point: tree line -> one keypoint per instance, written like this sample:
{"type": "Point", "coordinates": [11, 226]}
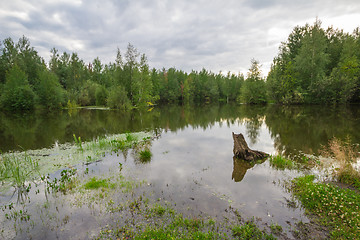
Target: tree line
{"type": "Point", "coordinates": [316, 65]}
{"type": "Point", "coordinates": [26, 81]}
{"type": "Point", "coordinates": [313, 66]}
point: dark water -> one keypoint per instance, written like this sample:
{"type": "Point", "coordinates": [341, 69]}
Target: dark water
{"type": "Point", "coordinates": [192, 163]}
{"type": "Point", "coordinates": [291, 129]}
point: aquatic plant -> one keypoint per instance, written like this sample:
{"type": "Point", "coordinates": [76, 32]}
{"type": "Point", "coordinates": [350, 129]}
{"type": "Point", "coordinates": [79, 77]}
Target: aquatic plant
{"type": "Point", "coordinates": [280, 162]}
{"type": "Point", "coordinates": [78, 143]}
{"type": "Point", "coordinates": [145, 155]}
{"type": "Point", "coordinates": [65, 183]}
{"type": "Point", "coordinates": [16, 170]}
{"type": "Point", "coordinates": [95, 183]}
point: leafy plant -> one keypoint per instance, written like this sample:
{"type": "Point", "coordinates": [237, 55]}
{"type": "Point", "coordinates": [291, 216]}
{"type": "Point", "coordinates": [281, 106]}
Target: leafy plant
{"type": "Point", "coordinates": [65, 183]}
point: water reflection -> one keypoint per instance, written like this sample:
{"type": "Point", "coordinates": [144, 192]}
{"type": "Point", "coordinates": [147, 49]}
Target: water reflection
{"type": "Point", "coordinates": [292, 128]}
{"type": "Point", "coordinates": [240, 168]}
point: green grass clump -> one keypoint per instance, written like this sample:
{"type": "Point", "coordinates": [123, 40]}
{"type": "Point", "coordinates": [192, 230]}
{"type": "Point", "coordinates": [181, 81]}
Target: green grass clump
{"type": "Point", "coordinates": [249, 230]}
{"type": "Point", "coordinates": [17, 169]}
{"type": "Point", "coordinates": [145, 155]}
{"type": "Point", "coordinates": [95, 183]}
{"type": "Point", "coordinates": [280, 162]}
{"type": "Point", "coordinates": [337, 208]}
{"type": "Point", "coordinates": [276, 228]}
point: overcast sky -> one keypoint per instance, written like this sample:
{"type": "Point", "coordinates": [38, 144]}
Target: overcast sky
{"type": "Point", "coordinates": [187, 34]}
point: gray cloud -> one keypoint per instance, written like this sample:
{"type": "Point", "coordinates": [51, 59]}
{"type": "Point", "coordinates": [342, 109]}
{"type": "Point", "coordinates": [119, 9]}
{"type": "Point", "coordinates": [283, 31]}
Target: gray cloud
{"type": "Point", "coordinates": [217, 35]}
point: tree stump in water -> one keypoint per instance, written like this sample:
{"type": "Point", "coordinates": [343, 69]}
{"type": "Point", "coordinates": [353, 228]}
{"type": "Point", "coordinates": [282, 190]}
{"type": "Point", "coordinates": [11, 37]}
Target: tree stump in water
{"type": "Point", "coordinates": [242, 151]}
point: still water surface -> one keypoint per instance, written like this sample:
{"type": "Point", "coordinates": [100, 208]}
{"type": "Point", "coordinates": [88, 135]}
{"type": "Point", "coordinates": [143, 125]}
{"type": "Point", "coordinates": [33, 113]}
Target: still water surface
{"type": "Point", "coordinates": [192, 163]}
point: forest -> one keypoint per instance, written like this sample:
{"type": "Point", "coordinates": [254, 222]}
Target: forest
{"type": "Point", "coordinates": [313, 66]}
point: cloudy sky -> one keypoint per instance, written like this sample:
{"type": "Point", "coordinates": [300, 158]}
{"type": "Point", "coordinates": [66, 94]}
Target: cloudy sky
{"type": "Point", "coordinates": [188, 34]}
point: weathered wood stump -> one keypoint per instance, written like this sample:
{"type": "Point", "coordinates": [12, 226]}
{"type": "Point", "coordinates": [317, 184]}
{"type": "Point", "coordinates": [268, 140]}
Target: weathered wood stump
{"type": "Point", "coordinates": [242, 151]}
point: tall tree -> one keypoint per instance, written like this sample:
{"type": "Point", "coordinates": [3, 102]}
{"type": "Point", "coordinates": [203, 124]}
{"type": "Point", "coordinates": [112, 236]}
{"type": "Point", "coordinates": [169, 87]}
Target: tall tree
{"type": "Point", "coordinates": [312, 60]}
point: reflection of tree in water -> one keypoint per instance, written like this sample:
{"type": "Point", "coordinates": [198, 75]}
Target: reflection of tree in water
{"type": "Point", "coordinates": [254, 118]}
{"type": "Point", "coordinates": [253, 129]}
{"type": "Point", "coordinates": [305, 129]}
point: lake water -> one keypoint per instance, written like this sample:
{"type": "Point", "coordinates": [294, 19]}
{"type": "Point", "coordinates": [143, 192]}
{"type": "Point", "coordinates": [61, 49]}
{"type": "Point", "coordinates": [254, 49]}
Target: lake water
{"type": "Point", "coordinates": [192, 163]}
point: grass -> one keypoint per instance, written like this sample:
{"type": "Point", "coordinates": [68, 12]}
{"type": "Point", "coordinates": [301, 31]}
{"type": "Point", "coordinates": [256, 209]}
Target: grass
{"type": "Point", "coordinates": [145, 155]}
{"type": "Point", "coordinates": [157, 221]}
{"type": "Point", "coordinates": [95, 183]}
{"type": "Point", "coordinates": [20, 167]}
{"type": "Point", "coordinates": [249, 231]}
{"type": "Point", "coordinates": [276, 228]}
{"type": "Point", "coordinates": [336, 208]}
{"type": "Point", "coordinates": [281, 163]}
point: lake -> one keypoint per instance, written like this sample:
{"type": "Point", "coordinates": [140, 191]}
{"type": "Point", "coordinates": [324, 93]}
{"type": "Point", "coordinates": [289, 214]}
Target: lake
{"type": "Point", "coordinates": [192, 161]}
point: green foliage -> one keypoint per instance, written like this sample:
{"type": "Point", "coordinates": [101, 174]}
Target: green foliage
{"type": "Point", "coordinates": [249, 231]}
{"type": "Point", "coordinates": [95, 183]}
{"type": "Point", "coordinates": [17, 94]}
{"type": "Point", "coordinates": [276, 228]}
{"type": "Point", "coordinates": [253, 89]}
{"type": "Point", "coordinates": [280, 162]}
{"type": "Point", "coordinates": [145, 155]}
{"type": "Point", "coordinates": [101, 96]}
{"type": "Point", "coordinates": [78, 143]}
{"type": "Point", "coordinates": [49, 91]}
{"type": "Point", "coordinates": [65, 183]}
{"type": "Point", "coordinates": [17, 169]}
{"type": "Point", "coordinates": [336, 208]}
{"type": "Point", "coordinates": [118, 99]}
{"type": "Point", "coordinates": [316, 66]}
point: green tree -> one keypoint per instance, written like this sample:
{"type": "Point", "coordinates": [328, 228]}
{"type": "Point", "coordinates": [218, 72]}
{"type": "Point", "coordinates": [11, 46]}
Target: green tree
{"type": "Point", "coordinates": [17, 94]}
{"type": "Point", "coordinates": [253, 90]}
{"type": "Point", "coordinates": [130, 68]}
{"type": "Point", "coordinates": [49, 91]}
{"type": "Point", "coordinates": [101, 96]}
{"type": "Point", "coordinates": [311, 62]}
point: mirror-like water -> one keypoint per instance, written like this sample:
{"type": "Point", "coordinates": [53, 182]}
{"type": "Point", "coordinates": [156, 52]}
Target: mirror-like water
{"type": "Point", "coordinates": [192, 163]}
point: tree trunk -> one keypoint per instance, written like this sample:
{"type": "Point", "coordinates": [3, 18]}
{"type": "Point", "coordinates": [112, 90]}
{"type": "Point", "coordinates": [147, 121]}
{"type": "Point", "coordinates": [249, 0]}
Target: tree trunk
{"type": "Point", "coordinates": [242, 151]}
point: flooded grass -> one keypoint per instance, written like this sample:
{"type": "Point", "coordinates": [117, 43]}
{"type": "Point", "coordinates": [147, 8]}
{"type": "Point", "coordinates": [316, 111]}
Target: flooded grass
{"type": "Point", "coordinates": [334, 207]}
{"type": "Point", "coordinates": [280, 162]}
{"type": "Point", "coordinates": [156, 221]}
